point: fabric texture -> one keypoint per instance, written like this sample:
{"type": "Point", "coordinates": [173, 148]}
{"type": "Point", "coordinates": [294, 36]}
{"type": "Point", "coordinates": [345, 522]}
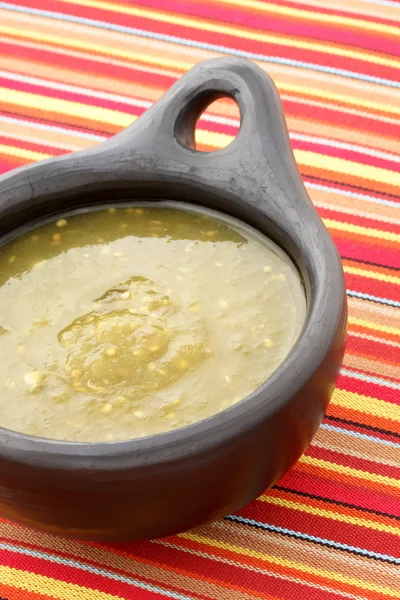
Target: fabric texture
{"type": "Point", "coordinates": [76, 71]}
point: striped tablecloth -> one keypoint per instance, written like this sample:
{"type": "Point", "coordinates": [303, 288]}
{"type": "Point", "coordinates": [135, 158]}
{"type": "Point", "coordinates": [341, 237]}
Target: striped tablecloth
{"type": "Point", "coordinates": [75, 71]}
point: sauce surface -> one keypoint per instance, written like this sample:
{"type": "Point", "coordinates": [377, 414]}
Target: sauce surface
{"type": "Point", "coordinates": [126, 322]}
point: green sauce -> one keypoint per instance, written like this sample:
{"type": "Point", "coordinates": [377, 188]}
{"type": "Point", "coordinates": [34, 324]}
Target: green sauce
{"type": "Point", "coordinates": [122, 323]}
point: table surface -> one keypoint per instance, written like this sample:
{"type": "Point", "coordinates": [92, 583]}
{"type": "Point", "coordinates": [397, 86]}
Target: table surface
{"type": "Point", "coordinates": [74, 72]}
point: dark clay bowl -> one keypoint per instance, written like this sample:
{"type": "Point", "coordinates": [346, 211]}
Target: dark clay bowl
{"type": "Point", "coordinates": [163, 484]}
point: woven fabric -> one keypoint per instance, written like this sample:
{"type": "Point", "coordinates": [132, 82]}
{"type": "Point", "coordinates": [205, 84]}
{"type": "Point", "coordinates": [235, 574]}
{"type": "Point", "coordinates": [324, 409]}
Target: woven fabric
{"type": "Point", "coordinates": [76, 71]}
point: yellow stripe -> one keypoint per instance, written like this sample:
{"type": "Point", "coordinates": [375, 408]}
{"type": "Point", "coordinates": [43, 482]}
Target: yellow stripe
{"type": "Point", "coordinates": [332, 204]}
{"type": "Point", "coordinates": [121, 119]}
{"type": "Point", "coordinates": [211, 138]}
{"type": "Point", "coordinates": [250, 34]}
{"type": "Point", "coordinates": [28, 155]}
{"type": "Point", "coordinates": [60, 590]}
{"type": "Point", "coordinates": [332, 163]}
{"type": "Point", "coordinates": [302, 90]}
{"type": "Point", "coordinates": [350, 471]}
{"type": "Point", "coordinates": [329, 163]}
{"type": "Point", "coordinates": [374, 326]}
{"type": "Point", "coordinates": [359, 230]}
{"type": "Point", "coordinates": [94, 113]}
{"type": "Point", "coordinates": [102, 49]}
{"type": "Point", "coordinates": [366, 404]}
{"type": "Point", "coordinates": [184, 66]}
{"type": "Point", "coordinates": [371, 274]}
{"type": "Point", "coordinates": [291, 564]}
{"type": "Point", "coordinates": [329, 514]}
{"type": "Point", "coordinates": [314, 16]}
{"type": "Point", "coordinates": [68, 107]}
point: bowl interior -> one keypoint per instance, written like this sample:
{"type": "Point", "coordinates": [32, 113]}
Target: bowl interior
{"type": "Point", "coordinates": [253, 222]}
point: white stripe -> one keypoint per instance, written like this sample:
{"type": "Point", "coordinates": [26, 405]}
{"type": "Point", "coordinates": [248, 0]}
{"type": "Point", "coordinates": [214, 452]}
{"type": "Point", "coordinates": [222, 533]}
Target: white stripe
{"type": "Point", "coordinates": [88, 568]}
{"type": "Point", "coordinates": [227, 121]}
{"type": "Point", "coordinates": [12, 138]}
{"type": "Point", "coordinates": [263, 571]}
{"type": "Point", "coordinates": [74, 89]}
{"type": "Point", "coordinates": [370, 379]}
{"type": "Point", "coordinates": [100, 59]}
{"type": "Point", "coordinates": [362, 436]}
{"type": "Point", "coordinates": [372, 338]}
{"type": "Point", "coordinates": [340, 192]}
{"type": "Point", "coordinates": [374, 298]}
{"type": "Point", "coordinates": [313, 538]}
{"type": "Point", "coordinates": [345, 146]}
{"type": "Point", "coordinates": [206, 117]}
{"type": "Point", "coordinates": [357, 213]}
{"type": "Point", "coordinates": [382, 3]}
{"type": "Point", "coordinates": [44, 127]}
{"type": "Point", "coordinates": [363, 12]}
{"type": "Point", "coordinates": [203, 45]}
{"type": "Point", "coordinates": [343, 109]}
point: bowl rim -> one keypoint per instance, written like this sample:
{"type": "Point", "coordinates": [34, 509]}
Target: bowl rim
{"type": "Point", "coordinates": [217, 430]}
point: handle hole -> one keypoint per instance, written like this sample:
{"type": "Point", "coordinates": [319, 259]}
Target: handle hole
{"type": "Point", "coordinates": [208, 123]}
{"type": "Point", "coordinates": [217, 126]}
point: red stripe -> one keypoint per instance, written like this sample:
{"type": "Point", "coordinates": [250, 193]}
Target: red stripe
{"type": "Point", "coordinates": [337, 12]}
{"type": "Point", "coordinates": [337, 215]}
{"type": "Point", "coordinates": [373, 287]}
{"type": "Point", "coordinates": [380, 435]}
{"type": "Point", "coordinates": [367, 388]}
{"type": "Point", "coordinates": [371, 267]}
{"type": "Point", "coordinates": [362, 418]}
{"type": "Point", "coordinates": [126, 72]}
{"type": "Point", "coordinates": [73, 128]}
{"type": "Point", "coordinates": [33, 146]}
{"type": "Point", "coordinates": [368, 252]}
{"type": "Point", "coordinates": [359, 464]}
{"type": "Point", "coordinates": [331, 529]}
{"type": "Point", "coordinates": [287, 571]}
{"type": "Point", "coordinates": [351, 155]}
{"type": "Point", "coordinates": [71, 555]}
{"type": "Point", "coordinates": [244, 16]}
{"type": "Point", "coordinates": [76, 576]}
{"type": "Point", "coordinates": [330, 115]}
{"type": "Point", "coordinates": [391, 377]}
{"type": "Point", "coordinates": [252, 582]}
{"type": "Point", "coordinates": [159, 81]}
{"type": "Point", "coordinates": [327, 472]}
{"type": "Point", "coordinates": [364, 238]}
{"type": "Point", "coordinates": [292, 26]}
{"type": "Point", "coordinates": [119, 105]}
{"type": "Point", "coordinates": [335, 185]}
{"type": "Point", "coordinates": [374, 349]}
{"type": "Point", "coordinates": [72, 96]}
{"type": "Point", "coordinates": [8, 164]}
{"type": "Point", "coordinates": [240, 43]}
{"type": "Point", "coordinates": [341, 492]}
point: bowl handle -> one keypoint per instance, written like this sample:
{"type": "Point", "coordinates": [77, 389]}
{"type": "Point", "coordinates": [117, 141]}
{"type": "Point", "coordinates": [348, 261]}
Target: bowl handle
{"type": "Point", "coordinates": [155, 157]}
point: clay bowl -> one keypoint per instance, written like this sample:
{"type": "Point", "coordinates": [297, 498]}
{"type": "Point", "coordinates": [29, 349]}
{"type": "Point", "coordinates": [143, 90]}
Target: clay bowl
{"type": "Point", "coordinates": [163, 484]}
